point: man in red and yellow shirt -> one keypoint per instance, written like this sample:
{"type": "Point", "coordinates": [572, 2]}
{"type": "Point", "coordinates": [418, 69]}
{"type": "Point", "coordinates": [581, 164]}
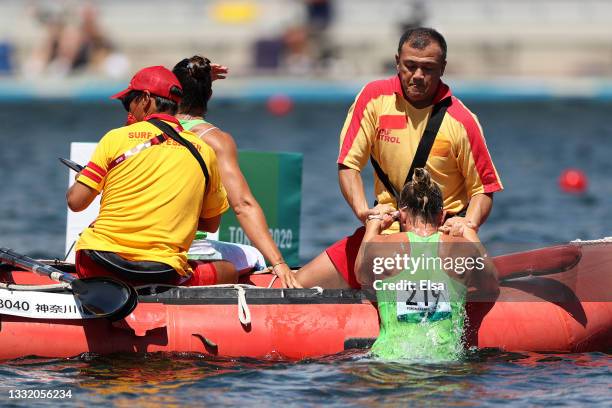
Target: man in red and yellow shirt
{"type": "Point", "coordinates": [386, 123]}
{"type": "Point", "coordinates": [153, 194]}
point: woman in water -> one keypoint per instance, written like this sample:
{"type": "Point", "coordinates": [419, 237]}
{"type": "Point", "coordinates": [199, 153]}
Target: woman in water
{"type": "Point", "coordinates": [196, 78]}
{"type": "Point", "coordinates": [421, 276]}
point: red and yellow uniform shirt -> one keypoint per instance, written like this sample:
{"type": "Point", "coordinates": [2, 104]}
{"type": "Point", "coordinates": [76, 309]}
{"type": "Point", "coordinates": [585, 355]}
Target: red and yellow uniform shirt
{"type": "Point", "coordinates": [383, 124]}
{"type": "Point", "coordinates": [151, 202]}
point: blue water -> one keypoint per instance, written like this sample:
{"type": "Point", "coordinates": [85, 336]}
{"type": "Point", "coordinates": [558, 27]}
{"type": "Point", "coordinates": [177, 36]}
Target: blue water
{"type": "Point", "coordinates": [531, 143]}
{"type": "Point", "coordinates": [352, 379]}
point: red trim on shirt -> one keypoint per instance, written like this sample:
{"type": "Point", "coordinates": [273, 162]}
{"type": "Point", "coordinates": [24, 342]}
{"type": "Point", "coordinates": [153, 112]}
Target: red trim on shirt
{"type": "Point", "coordinates": [397, 85]}
{"type": "Point", "coordinates": [480, 153]}
{"type": "Point", "coordinates": [443, 92]}
{"type": "Point", "coordinates": [96, 168]}
{"type": "Point", "coordinates": [371, 91]}
{"type": "Point", "coordinates": [167, 118]}
{"type": "Point", "coordinates": [91, 175]}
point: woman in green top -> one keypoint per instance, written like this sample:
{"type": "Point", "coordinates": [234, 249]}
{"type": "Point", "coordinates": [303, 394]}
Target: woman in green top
{"type": "Point", "coordinates": [196, 75]}
{"type": "Point", "coordinates": [421, 276]}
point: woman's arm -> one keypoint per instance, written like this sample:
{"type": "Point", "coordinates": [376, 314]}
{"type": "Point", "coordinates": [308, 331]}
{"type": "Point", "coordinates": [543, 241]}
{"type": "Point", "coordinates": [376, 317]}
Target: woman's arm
{"type": "Point", "coordinates": [362, 272]}
{"type": "Point", "coordinates": [378, 221]}
{"type": "Point", "coordinates": [247, 209]}
{"type": "Point", "coordinates": [484, 275]}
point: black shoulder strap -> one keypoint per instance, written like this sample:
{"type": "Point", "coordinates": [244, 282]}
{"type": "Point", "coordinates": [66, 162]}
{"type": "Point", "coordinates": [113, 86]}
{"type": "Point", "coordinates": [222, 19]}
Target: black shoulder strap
{"type": "Point", "coordinates": [429, 136]}
{"type": "Point", "coordinates": [174, 135]}
{"type": "Point", "coordinates": [382, 176]}
{"type": "Point", "coordinates": [422, 152]}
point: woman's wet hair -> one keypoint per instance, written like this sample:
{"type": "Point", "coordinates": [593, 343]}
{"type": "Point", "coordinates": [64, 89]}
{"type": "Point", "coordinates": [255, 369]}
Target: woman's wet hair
{"type": "Point", "coordinates": [194, 75]}
{"type": "Point", "coordinates": [422, 198]}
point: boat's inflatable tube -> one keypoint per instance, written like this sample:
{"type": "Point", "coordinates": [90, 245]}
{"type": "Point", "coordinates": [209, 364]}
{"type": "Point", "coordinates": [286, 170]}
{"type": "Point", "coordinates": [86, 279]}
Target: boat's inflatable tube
{"type": "Point", "coordinates": [543, 261]}
{"type": "Point", "coordinates": [569, 311]}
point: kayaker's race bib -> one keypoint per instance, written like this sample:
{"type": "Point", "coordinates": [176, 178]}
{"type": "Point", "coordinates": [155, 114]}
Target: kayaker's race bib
{"type": "Point", "coordinates": [422, 305]}
{"type": "Point", "coordinates": [42, 305]}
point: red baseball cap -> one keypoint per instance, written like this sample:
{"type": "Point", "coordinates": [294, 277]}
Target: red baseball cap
{"type": "Point", "coordinates": [158, 80]}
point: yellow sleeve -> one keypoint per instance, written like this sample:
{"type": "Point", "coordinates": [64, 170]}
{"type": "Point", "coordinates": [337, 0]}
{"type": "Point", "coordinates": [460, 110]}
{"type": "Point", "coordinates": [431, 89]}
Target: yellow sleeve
{"type": "Point", "coordinates": [94, 174]}
{"type": "Point", "coordinates": [215, 197]}
{"type": "Point", "coordinates": [358, 132]}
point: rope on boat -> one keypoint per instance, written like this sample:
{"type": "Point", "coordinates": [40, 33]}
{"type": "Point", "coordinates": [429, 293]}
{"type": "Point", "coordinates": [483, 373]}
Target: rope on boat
{"type": "Point", "coordinates": [244, 314]}
{"type": "Point", "coordinates": [603, 240]}
{"type": "Point", "coordinates": [42, 288]}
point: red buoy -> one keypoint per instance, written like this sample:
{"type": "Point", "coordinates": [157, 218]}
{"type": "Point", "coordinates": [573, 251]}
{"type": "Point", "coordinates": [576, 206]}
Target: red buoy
{"type": "Point", "coordinates": [573, 181]}
{"type": "Point", "coordinates": [279, 105]}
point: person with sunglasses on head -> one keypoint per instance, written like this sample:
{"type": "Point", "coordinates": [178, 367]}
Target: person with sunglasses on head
{"type": "Point", "coordinates": [196, 75]}
{"type": "Point", "coordinates": [159, 184]}
{"type": "Point", "coordinates": [421, 301]}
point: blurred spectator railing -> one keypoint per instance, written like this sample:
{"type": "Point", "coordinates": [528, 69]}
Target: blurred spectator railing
{"type": "Point", "coordinates": [486, 37]}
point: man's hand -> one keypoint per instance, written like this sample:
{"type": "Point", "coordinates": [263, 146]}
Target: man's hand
{"type": "Point", "coordinates": [363, 215]}
{"type": "Point", "coordinates": [387, 213]}
{"type": "Point", "coordinates": [455, 226]}
{"type": "Point", "coordinates": [477, 212]}
{"type": "Point", "coordinates": [218, 72]}
{"type": "Point", "coordinates": [286, 276]}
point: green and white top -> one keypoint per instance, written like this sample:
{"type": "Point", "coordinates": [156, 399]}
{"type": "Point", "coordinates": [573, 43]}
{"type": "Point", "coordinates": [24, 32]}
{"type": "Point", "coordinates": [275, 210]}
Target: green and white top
{"type": "Point", "coordinates": [191, 123]}
{"type": "Point", "coordinates": [426, 321]}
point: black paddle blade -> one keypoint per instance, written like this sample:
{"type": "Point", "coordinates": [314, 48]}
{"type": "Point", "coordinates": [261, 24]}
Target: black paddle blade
{"type": "Point", "coordinates": [105, 297]}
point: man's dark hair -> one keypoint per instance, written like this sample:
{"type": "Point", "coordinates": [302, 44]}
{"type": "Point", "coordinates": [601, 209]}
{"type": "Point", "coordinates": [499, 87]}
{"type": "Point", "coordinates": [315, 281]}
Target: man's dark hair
{"type": "Point", "coordinates": [164, 105]}
{"type": "Point", "coordinates": [421, 37]}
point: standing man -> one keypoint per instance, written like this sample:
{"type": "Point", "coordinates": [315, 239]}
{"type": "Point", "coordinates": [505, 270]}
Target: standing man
{"type": "Point", "coordinates": [385, 125]}
{"type": "Point", "coordinates": [159, 183]}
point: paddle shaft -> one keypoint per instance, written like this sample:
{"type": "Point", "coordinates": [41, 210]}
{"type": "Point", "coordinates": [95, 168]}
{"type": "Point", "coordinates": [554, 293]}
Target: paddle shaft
{"type": "Point", "coordinates": [102, 296]}
{"type": "Point", "coordinates": [72, 165]}
{"type": "Point", "coordinates": [22, 261]}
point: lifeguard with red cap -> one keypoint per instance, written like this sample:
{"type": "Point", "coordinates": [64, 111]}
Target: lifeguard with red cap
{"type": "Point", "coordinates": [157, 80]}
{"type": "Point", "coordinates": [159, 184]}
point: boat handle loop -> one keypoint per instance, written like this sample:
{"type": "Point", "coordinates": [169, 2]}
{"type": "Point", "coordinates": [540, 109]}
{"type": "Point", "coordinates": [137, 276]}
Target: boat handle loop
{"type": "Point", "coordinates": [244, 313]}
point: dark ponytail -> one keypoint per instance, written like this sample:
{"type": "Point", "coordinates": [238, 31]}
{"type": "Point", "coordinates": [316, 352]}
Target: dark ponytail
{"type": "Point", "coordinates": [422, 197]}
{"type": "Point", "coordinates": [194, 75]}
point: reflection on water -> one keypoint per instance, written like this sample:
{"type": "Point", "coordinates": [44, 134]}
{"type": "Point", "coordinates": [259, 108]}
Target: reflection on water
{"type": "Point", "coordinates": [352, 378]}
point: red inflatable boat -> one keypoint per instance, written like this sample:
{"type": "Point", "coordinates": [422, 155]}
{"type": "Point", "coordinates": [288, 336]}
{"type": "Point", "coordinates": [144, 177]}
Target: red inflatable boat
{"type": "Point", "coordinates": [565, 308]}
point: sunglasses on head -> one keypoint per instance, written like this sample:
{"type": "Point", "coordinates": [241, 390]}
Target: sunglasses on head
{"type": "Point", "coordinates": [127, 100]}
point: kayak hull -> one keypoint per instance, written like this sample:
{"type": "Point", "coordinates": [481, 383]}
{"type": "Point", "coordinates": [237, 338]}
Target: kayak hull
{"type": "Point", "coordinates": [564, 312]}
{"type": "Point", "coordinates": [283, 331]}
